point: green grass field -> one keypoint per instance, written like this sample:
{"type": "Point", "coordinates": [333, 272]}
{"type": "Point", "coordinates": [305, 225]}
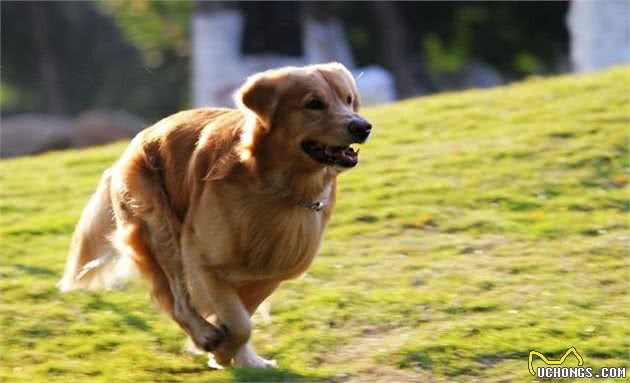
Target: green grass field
{"type": "Point", "coordinates": [478, 226]}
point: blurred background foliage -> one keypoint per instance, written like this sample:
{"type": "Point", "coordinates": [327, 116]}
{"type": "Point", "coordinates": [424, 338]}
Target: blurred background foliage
{"type": "Point", "coordinates": [64, 57]}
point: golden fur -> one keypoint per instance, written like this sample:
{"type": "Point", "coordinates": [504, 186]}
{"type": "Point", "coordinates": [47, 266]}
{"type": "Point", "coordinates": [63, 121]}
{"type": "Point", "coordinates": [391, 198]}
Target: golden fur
{"type": "Point", "coordinates": [208, 205]}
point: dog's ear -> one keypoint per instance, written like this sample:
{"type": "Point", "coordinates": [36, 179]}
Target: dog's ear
{"type": "Point", "coordinates": [259, 95]}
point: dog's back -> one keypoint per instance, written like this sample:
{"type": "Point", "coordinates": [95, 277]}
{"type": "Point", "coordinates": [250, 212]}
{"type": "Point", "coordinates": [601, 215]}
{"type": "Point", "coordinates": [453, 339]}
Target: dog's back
{"type": "Point", "coordinates": [166, 148]}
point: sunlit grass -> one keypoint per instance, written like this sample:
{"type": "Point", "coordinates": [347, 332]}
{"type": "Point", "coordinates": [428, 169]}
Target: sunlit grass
{"type": "Point", "coordinates": [479, 226]}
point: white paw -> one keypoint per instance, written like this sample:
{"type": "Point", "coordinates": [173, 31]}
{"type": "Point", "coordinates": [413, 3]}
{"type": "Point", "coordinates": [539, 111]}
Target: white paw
{"type": "Point", "coordinates": [246, 357]}
{"type": "Point", "coordinates": [213, 364]}
{"type": "Point", "coordinates": [256, 362]}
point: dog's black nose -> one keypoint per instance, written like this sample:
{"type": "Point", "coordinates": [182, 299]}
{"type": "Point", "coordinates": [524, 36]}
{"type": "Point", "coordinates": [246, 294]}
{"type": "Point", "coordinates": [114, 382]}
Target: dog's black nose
{"type": "Point", "coordinates": [359, 128]}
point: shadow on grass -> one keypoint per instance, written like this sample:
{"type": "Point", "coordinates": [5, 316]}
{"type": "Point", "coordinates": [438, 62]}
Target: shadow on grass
{"type": "Point", "coordinates": [180, 370]}
{"type": "Point", "coordinates": [273, 375]}
{"type": "Point", "coordinates": [34, 270]}
{"type": "Point", "coordinates": [97, 303]}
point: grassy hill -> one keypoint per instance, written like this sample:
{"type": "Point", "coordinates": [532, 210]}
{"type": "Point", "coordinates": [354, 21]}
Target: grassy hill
{"type": "Point", "coordinates": [479, 226]}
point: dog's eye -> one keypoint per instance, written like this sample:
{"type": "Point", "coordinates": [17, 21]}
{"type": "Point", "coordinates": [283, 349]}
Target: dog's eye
{"type": "Point", "coordinates": [315, 104]}
{"type": "Point", "coordinates": [349, 99]}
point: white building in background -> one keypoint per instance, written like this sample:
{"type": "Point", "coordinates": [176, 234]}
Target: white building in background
{"type": "Point", "coordinates": [219, 67]}
{"type": "Point", "coordinates": [599, 33]}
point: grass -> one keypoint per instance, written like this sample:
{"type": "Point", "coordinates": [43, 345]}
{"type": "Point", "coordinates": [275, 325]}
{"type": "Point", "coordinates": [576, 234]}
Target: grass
{"type": "Point", "coordinates": [479, 226]}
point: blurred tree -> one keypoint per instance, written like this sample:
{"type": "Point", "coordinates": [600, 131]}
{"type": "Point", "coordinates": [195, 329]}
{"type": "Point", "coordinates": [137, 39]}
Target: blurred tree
{"type": "Point", "coordinates": [516, 38]}
{"type": "Point", "coordinates": [394, 46]}
{"type": "Point", "coordinates": [156, 28]}
{"type": "Point", "coordinates": [82, 61]}
{"type": "Point", "coordinates": [71, 56]}
{"type": "Point", "coordinates": [283, 36]}
{"type": "Point", "coordinates": [52, 94]}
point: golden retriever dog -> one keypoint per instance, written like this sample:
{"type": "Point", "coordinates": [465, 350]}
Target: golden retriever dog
{"type": "Point", "coordinates": [216, 207]}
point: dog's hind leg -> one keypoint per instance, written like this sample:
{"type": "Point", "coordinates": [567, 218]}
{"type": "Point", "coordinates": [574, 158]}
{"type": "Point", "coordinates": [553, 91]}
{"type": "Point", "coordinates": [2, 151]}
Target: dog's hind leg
{"type": "Point", "coordinates": [150, 231]}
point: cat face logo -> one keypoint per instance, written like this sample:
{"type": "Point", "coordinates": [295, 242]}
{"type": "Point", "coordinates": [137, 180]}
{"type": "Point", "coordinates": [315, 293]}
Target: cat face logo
{"type": "Point", "coordinates": [552, 362]}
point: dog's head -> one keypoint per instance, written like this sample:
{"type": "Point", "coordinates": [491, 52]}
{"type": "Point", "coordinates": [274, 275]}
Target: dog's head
{"type": "Point", "coordinates": [308, 113]}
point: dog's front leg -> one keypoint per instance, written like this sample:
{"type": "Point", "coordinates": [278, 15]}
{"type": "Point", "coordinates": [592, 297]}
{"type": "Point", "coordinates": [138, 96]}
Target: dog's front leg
{"type": "Point", "coordinates": [252, 295]}
{"type": "Point", "coordinates": [149, 230]}
{"type": "Point", "coordinates": [213, 295]}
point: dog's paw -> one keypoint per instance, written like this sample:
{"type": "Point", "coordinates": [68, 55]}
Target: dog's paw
{"type": "Point", "coordinates": [251, 360]}
{"type": "Point", "coordinates": [211, 339]}
{"type": "Point", "coordinates": [191, 348]}
{"type": "Point", "coordinates": [257, 362]}
{"type": "Point", "coordinates": [213, 364]}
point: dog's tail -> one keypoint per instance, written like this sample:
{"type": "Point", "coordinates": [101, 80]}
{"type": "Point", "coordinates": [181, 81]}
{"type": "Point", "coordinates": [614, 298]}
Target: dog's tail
{"type": "Point", "coordinates": [93, 262]}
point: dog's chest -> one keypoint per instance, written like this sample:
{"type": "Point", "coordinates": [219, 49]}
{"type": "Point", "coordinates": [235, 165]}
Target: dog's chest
{"type": "Point", "coordinates": [258, 240]}
{"type": "Point", "coordinates": [280, 241]}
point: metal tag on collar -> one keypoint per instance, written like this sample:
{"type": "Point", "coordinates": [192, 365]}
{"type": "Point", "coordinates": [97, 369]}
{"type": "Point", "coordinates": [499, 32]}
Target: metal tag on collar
{"type": "Point", "coordinates": [317, 206]}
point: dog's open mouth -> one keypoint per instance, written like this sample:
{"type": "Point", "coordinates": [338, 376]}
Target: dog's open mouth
{"type": "Point", "coordinates": [343, 156]}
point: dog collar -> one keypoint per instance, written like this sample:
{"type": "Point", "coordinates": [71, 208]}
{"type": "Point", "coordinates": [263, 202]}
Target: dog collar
{"type": "Point", "coordinates": [315, 206]}
{"type": "Point", "coordinates": [318, 205]}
